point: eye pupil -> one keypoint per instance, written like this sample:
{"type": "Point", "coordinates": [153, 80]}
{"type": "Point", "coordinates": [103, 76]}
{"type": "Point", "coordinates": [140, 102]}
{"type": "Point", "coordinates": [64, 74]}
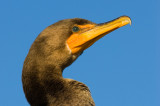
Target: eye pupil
{"type": "Point", "coordinates": [75, 29]}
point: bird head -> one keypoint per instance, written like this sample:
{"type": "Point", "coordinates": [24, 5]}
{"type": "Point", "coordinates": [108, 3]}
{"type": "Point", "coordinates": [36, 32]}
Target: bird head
{"type": "Point", "coordinates": [64, 41]}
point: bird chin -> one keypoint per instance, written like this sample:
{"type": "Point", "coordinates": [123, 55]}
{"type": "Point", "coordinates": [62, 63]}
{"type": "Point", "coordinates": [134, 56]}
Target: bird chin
{"type": "Point", "coordinates": [75, 56]}
{"type": "Point", "coordinates": [80, 53]}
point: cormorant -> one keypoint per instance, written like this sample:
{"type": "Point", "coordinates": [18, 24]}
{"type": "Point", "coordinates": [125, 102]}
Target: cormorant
{"type": "Point", "coordinates": [55, 48]}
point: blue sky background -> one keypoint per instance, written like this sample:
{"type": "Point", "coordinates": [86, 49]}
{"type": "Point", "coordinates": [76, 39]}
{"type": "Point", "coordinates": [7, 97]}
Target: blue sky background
{"type": "Point", "coordinates": [121, 69]}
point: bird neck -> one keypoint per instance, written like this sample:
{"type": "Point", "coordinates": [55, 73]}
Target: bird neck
{"type": "Point", "coordinates": [39, 81]}
{"type": "Point", "coordinates": [52, 71]}
{"type": "Point", "coordinates": [52, 79]}
{"type": "Point", "coordinates": [50, 74]}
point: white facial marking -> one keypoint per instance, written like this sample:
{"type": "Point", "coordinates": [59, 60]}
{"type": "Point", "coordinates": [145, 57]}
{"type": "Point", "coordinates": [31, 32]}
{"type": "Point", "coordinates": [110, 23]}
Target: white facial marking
{"type": "Point", "coordinates": [68, 49]}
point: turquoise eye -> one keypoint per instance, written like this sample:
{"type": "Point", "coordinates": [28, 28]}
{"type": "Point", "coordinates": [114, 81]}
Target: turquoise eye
{"type": "Point", "coordinates": [75, 29]}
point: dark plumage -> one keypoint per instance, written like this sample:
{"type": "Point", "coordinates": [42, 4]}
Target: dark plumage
{"type": "Point", "coordinates": [54, 49]}
{"type": "Point", "coordinates": [42, 79]}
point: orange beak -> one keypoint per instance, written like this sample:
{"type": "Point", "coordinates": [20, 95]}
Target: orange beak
{"type": "Point", "coordinates": [90, 33]}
